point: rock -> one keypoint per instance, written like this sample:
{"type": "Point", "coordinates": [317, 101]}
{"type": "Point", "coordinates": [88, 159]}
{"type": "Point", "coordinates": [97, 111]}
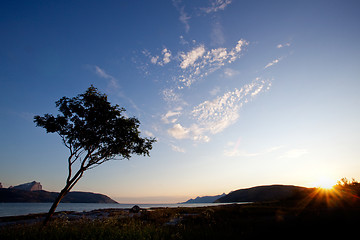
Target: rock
{"type": "Point", "coordinates": [31, 186]}
{"type": "Point", "coordinates": [135, 209]}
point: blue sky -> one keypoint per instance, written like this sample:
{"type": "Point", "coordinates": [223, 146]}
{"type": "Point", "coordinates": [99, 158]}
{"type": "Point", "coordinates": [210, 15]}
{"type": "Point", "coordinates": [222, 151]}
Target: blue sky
{"type": "Point", "coordinates": [237, 93]}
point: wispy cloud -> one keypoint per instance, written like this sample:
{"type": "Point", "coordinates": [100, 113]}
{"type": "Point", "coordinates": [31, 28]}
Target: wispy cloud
{"type": "Point", "coordinates": [182, 40]}
{"type": "Point", "coordinates": [177, 148]}
{"type": "Point", "coordinates": [213, 116]}
{"type": "Point", "coordinates": [234, 150]}
{"type": "Point", "coordinates": [171, 96]}
{"type": "Point", "coordinates": [283, 45]}
{"type": "Point", "coordinates": [113, 83]}
{"type": "Point", "coordinates": [114, 86]}
{"type": "Point", "coordinates": [216, 115]}
{"type": "Point", "coordinates": [214, 91]}
{"type": "Point", "coordinates": [216, 5]}
{"type": "Point", "coordinates": [230, 72]}
{"type": "Point", "coordinates": [199, 62]}
{"type": "Point", "coordinates": [171, 116]}
{"type": "Point", "coordinates": [272, 63]}
{"type": "Point", "coordinates": [294, 153]}
{"type": "Point", "coordinates": [148, 133]}
{"type": "Point", "coordinates": [217, 34]}
{"type": "Point", "coordinates": [184, 18]}
{"type": "Point", "coordinates": [239, 153]}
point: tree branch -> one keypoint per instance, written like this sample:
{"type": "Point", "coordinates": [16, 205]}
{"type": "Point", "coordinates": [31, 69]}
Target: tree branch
{"type": "Point", "coordinates": [76, 180]}
{"type": "Point", "coordinates": [70, 163]}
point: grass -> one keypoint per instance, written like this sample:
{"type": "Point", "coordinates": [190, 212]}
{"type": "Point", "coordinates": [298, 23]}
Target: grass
{"type": "Point", "coordinates": [280, 220]}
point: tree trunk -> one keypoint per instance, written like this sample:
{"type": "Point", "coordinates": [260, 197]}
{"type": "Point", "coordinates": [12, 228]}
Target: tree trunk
{"type": "Point", "coordinates": [69, 185]}
{"type": "Point", "coordinates": [56, 203]}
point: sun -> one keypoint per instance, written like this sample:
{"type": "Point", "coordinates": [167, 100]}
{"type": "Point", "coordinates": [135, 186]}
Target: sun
{"type": "Point", "coordinates": [325, 183]}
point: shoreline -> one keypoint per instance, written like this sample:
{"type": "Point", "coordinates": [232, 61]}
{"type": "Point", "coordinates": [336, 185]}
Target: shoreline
{"type": "Point", "coordinates": [250, 221]}
{"type": "Point", "coordinates": [18, 209]}
{"type": "Point", "coordinates": [100, 213]}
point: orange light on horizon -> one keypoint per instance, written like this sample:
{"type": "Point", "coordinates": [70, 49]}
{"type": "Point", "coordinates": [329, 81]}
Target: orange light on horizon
{"type": "Point", "coordinates": [325, 183]}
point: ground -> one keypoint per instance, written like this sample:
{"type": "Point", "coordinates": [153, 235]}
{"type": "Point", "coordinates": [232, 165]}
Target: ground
{"type": "Point", "coordinates": [280, 220]}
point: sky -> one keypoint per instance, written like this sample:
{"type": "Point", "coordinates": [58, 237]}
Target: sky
{"type": "Point", "coordinates": [237, 93]}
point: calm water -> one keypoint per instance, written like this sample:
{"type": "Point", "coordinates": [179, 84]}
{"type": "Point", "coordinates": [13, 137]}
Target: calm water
{"type": "Point", "coordinates": [15, 209]}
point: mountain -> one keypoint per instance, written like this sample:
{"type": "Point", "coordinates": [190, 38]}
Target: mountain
{"type": "Point", "coordinates": [31, 186]}
{"type": "Point", "coordinates": [264, 193]}
{"type": "Point", "coordinates": [205, 199]}
{"type": "Point", "coordinates": [16, 195]}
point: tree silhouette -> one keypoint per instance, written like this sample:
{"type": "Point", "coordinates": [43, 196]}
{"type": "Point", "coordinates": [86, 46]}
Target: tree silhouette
{"type": "Point", "coordinates": [95, 132]}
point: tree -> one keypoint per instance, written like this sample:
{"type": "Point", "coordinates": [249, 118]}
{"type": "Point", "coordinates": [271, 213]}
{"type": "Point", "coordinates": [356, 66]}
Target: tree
{"type": "Point", "coordinates": [94, 132]}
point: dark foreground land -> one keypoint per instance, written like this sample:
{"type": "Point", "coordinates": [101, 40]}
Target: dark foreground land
{"type": "Point", "coordinates": [276, 220]}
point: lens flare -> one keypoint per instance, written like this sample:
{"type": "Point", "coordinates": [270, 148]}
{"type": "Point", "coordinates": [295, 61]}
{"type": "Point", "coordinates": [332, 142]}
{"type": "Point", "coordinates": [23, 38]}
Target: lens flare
{"type": "Point", "coordinates": [325, 183]}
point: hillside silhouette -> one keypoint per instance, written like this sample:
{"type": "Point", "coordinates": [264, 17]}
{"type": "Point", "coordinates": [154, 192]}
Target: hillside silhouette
{"type": "Point", "coordinates": [263, 193]}
{"type": "Point", "coordinates": [15, 195]}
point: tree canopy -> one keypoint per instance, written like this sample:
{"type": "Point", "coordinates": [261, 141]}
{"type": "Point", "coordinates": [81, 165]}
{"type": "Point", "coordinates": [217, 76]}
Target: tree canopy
{"type": "Point", "coordinates": [94, 131]}
{"type": "Point", "coordinates": [89, 123]}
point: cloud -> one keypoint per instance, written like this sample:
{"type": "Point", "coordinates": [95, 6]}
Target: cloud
{"type": "Point", "coordinates": [230, 72]}
{"type": "Point", "coordinates": [236, 152]}
{"type": "Point", "coordinates": [101, 73]}
{"type": "Point", "coordinates": [283, 45]}
{"type": "Point", "coordinates": [154, 59]}
{"type": "Point", "coordinates": [214, 91]}
{"type": "Point", "coordinates": [113, 86]}
{"type": "Point", "coordinates": [217, 34]}
{"type": "Point", "coordinates": [171, 96]}
{"type": "Point", "coordinates": [213, 116]}
{"type": "Point", "coordinates": [182, 40]}
{"type": "Point", "coordinates": [294, 153]}
{"type": "Point", "coordinates": [148, 133]}
{"type": "Point", "coordinates": [177, 148]}
{"type": "Point", "coordinates": [272, 63]}
{"type": "Point", "coordinates": [113, 83]}
{"type": "Point", "coordinates": [239, 153]}
{"type": "Point", "coordinates": [216, 115]}
{"type": "Point", "coordinates": [190, 58]}
{"type": "Point", "coordinates": [216, 5]}
{"type": "Point", "coordinates": [199, 62]}
{"type": "Point", "coordinates": [166, 57]}
{"type": "Point", "coordinates": [170, 116]}
{"type": "Point", "coordinates": [184, 18]}
{"type": "Point", "coordinates": [178, 132]}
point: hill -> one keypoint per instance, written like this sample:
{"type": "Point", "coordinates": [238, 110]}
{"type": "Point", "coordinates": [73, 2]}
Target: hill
{"type": "Point", "coordinates": [31, 186]}
{"type": "Point", "coordinates": [204, 199]}
{"type": "Point", "coordinates": [16, 195]}
{"type": "Point", "coordinates": [263, 193]}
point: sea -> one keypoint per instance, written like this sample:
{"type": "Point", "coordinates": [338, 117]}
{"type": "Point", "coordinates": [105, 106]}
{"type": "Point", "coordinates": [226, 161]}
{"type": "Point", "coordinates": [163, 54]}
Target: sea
{"type": "Point", "coordinates": [17, 209]}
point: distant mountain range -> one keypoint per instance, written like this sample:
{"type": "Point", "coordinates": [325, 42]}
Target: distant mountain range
{"type": "Point", "coordinates": [264, 193]}
{"type": "Point", "coordinates": [26, 193]}
{"type": "Point", "coordinates": [255, 194]}
{"type": "Point", "coordinates": [205, 199]}
{"type": "Point", "coordinates": [14, 195]}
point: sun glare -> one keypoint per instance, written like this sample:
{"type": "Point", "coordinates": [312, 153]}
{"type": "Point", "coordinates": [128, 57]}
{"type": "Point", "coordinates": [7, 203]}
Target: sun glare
{"type": "Point", "coordinates": [325, 183]}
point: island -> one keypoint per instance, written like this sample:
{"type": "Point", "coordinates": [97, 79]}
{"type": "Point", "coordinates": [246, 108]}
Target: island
{"type": "Point", "coordinates": [33, 192]}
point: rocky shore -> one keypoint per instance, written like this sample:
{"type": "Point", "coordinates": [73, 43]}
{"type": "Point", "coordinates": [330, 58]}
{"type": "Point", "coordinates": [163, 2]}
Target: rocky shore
{"type": "Point", "coordinates": [282, 220]}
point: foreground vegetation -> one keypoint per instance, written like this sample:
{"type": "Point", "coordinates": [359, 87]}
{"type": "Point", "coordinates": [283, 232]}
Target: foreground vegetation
{"type": "Point", "coordinates": [321, 214]}
{"type": "Point", "coordinates": [223, 222]}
